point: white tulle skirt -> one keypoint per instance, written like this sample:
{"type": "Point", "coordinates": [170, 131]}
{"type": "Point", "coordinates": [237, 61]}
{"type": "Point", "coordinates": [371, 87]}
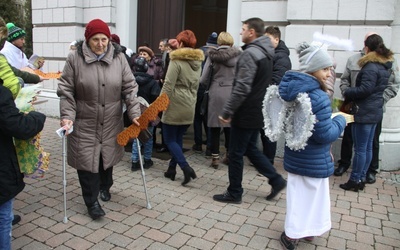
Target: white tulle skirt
{"type": "Point", "coordinates": [308, 206]}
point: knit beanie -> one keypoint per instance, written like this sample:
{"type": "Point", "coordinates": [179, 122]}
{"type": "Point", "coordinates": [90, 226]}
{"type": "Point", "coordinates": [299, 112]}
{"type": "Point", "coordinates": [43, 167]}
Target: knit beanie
{"type": "Point", "coordinates": [14, 32]}
{"type": "Point", "coordinates": [312, 58]}
{"type": "Point", "coordinates": [146, 49]}
{"type": "Point", "coordinates": [173, 43]}
{"type": "Point", "coordinates": [115, 38]}
{"type": "Point", "coordinates": [212, 39]}
{"type": "Point", "coordinates": [96, 26]}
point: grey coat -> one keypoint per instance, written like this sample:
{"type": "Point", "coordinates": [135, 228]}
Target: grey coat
{"type": "Point", "coordinates": [224, 60]}
{"type": "Point", "coordinates": [91, 93]}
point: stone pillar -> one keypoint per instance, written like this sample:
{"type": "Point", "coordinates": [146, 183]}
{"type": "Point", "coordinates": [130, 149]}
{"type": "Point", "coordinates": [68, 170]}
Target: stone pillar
{"type": "Point", "coordinates": [234, 22]}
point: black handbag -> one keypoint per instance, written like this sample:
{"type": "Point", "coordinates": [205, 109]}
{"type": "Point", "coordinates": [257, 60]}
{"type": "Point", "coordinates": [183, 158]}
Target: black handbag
{"type": "Point", "coordinates": [204, 100]}
{"type": "Point", "coordinates": [349, 107]}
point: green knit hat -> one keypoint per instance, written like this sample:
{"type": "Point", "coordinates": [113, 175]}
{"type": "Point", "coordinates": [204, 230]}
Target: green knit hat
{"type": "Point", "coordinates": [14, 32]}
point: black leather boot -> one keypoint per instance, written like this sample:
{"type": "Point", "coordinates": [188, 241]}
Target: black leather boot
{"type": "Point", "coordinates": [95, 210]}
{"type": "Point", "coordinates": [171, 172]}
{"type": "Point", "coordinates": [361, 185]}
{"type": "Point", "coordinates": [188, 172]}
{"type": "Point", "coordinates": [350, 185]}
{"type": "Point", "coordinates": [340, 170]}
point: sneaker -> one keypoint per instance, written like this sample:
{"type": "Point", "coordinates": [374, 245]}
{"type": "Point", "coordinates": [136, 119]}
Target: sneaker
{"type": "Point", "coordinates": [135, 166]}
{"type": "Point", "coordinates": [208, 152]}
{"type": "Point", "coordinates": [276, 189]}
{"type": "Point", "coordinates": [197, 148]}
{"type": "Point", "coordinates": [148, 163]}
{"type": "Point", "coordinates": [288, 243]}
{"type": "Point", "coordinates": [227, 198]}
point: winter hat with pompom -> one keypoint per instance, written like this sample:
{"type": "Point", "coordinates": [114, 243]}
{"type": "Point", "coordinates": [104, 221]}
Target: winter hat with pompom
{"type": "Point", "coordinates": [312, 58]}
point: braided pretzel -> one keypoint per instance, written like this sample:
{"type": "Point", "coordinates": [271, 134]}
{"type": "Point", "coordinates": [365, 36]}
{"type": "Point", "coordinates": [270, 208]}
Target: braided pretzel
{"type": "Point", "coordinates": [150, 114]}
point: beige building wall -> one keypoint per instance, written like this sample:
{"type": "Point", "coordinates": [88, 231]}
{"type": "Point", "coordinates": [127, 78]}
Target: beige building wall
{"type": "Point", "coordinates": [58, 23]}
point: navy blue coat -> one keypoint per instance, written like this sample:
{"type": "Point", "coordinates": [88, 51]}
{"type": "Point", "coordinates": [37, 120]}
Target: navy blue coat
{"type": "Point", "coordinates": [13, 124]}
{"type": "Point", "coordinates": [315, 160]}
{"type": "Point", "coordinates": [371, 82]}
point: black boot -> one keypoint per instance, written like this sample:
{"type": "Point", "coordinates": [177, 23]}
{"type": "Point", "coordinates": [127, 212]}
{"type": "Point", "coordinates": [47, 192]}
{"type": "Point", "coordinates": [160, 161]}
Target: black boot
{"type": "Point", "coordinates": [95, 210]}
{"type": "Point", "coordinates": [361, 185]}
{"type": "Point", "coordinates": [340, 170]}
{"type": "Point", "coordinates": [171, 172]}
{"type": "Point", "coordinates": [350, 185]}
{"type": "Point", "coordinates": [188, 172]}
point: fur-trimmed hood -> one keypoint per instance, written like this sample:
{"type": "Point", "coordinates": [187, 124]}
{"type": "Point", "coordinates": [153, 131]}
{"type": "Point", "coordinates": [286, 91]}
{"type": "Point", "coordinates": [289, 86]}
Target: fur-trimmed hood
{"type": "Point", "coordinates": [224, 54]}
{"type": "Point", "coordinates": [79, 48]}
{"type": "Point", "coordinates": [188, 54]}
{"type": "Point", "coordinates": [375, 58]}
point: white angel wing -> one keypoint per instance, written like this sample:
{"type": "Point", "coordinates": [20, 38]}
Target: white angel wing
{"type": "Point", "coordinates": [274, 111]}
{"type": "Point", "coordinates": [299, 123]}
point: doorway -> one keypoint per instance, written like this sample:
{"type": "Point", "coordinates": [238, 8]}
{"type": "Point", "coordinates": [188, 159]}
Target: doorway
{"type": "Point", "coordinates": [159, 19]}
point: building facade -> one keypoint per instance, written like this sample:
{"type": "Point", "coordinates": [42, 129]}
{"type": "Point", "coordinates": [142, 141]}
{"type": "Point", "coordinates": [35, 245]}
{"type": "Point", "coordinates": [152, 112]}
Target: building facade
{"type": "Point", "coordinates": [58, 23]}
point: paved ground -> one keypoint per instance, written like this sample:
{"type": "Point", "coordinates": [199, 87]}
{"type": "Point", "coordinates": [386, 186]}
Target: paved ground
{"type": "Point", "coordinates": [187, 217]}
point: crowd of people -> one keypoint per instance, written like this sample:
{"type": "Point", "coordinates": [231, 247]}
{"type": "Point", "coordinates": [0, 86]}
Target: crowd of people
{"type": "Point", "coordinates": [102, 83]}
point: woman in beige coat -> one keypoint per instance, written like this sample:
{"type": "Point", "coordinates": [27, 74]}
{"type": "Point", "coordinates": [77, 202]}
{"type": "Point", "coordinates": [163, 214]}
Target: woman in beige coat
{"type": "Point", "coordinates": [181, 84]}
{"type": "Point", "coordinates": [95, 81]}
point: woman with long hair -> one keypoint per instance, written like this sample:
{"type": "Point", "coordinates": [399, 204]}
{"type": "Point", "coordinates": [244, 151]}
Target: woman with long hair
{"type": "Point", "coordinates": [367, 97]}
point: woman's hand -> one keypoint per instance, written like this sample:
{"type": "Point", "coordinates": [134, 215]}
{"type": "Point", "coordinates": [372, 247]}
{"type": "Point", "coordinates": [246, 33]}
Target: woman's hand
{"type": "Point", "coordinates": [66, 124]}
{"type": "Point", "coordinates": [224, 121]}
{"type": "Point", "coordinates": [135, 121]}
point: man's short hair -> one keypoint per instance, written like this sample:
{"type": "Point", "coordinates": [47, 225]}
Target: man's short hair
{"type": "Point", "coordinates": [257, 24]}
{"type": "Point", "coordinates": [273, 31]}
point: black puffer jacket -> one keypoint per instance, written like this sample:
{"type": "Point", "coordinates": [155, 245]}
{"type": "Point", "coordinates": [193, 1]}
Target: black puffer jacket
{"type": "Point", "coordinates": [253, 74]}
{"type": "Point", "coordinates": [281, 62]}
{"type": "Point", "coordinates": [371, 81]}
{"type": "Point", "coordinates": [13, 124]}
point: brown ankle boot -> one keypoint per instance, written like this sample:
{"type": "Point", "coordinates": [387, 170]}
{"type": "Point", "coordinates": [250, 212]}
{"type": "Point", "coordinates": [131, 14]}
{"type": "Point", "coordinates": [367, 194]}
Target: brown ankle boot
{"type": "Point", "coordinates": [215, 161]}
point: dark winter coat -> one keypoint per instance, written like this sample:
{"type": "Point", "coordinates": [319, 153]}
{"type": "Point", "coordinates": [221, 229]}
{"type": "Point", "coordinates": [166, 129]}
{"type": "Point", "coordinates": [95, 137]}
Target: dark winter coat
{"type": "Point", "coordinates": [18, 125]}
{"type": "Point", "coordinates": [315, 160]}
{"type": "Point", "coordinates": [149, 88]}
{"type": "Point", "coordinates": [371, 82]}
{"type": "Point", "coordinates": [253, 75]}
{"type": "Point", "coordinates": [281, 62]}
{"type": "Point", "coordinates": [155, 67]}
{"type": "Point", "coordinates": [224, 59]}
{"type": "Point", "coordinates": [91, 94]}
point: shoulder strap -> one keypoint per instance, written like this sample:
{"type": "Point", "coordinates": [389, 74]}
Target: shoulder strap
{"type": "Point", "coordinates": [210, 74]}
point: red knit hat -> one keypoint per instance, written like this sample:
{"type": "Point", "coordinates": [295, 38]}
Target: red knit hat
{"type": "Point", "coordinates": [96, 26]}
{"type": "Point", "coordinates": [115, 38]}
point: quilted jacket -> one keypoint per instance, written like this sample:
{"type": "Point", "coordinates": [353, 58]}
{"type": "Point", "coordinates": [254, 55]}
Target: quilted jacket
{"type": "Point", "coordinates": [315, 160]}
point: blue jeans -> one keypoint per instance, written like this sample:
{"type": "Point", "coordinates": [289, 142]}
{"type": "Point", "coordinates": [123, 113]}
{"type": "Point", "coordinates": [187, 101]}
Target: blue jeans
{"type": "Point", "coordinates": [147, 148]}
{"type": "Point", "coordinates": [363, 135]}
{"type": "Point", "coordinates": [6, 217]}
{"type": "Point", "coordinates": [173, 137]}
{"type": "Point", "coordinates": [244, 142]}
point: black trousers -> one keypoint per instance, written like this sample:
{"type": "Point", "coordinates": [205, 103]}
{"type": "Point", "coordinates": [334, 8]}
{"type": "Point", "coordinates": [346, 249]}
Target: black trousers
{"type": "Point", "coordinates": [92, 183]}
{"type": "Point", "coordinates": [269, 147]}
{"type": "Point", "coordinates": [215, 137]}
{"type": "Point", "coordinates": [346, 150]}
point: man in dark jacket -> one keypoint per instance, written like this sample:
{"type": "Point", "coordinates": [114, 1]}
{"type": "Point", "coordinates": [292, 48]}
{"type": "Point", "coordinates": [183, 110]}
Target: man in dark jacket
{"type": "Point", "coordinates": [281, 64]}
{"type": "Point", "coordinates": [21, 126]}
{"type": "Point", "coordinates": [243, 109]}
